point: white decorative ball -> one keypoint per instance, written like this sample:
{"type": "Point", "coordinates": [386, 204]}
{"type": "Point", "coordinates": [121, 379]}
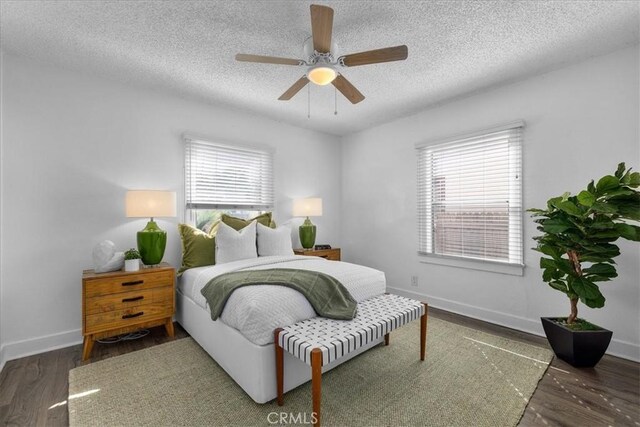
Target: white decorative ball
{"type": "Point", "coordinates": [103, 252]}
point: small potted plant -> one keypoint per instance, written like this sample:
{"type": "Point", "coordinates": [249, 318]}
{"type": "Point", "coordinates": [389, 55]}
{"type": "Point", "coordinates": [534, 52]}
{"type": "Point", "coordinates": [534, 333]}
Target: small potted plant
{"type": "Point", "coordinates": [577, 243]}
{"type": "Point", "coordinates": [131, 260]}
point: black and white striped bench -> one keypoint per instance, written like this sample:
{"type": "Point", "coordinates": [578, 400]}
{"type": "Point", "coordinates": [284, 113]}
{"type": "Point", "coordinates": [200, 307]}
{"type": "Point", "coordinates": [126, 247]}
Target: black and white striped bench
{"type": "Point", "coordinates": [320, 341]}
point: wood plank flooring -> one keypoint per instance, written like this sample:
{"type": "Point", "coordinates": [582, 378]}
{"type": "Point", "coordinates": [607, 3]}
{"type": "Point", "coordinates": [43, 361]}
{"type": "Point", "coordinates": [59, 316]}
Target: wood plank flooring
{"type": "Point", "coordinates": [33, 390]}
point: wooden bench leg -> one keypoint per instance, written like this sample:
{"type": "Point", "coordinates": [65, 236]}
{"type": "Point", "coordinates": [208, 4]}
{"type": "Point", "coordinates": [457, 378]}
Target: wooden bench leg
{"type": "Point", "coordinates": [423, 331]}
{"type": "Point", "coordinates": [316, 384]}
{"type": "Point", "coordinates": [279, 367]}
{"type": "Point", "coordinates": [386, 339]}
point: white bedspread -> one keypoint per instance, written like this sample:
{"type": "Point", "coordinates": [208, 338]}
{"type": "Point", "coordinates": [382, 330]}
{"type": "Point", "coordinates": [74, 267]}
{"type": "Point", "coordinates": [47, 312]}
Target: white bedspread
{"type": "Point", "coordinates": [256, 311]}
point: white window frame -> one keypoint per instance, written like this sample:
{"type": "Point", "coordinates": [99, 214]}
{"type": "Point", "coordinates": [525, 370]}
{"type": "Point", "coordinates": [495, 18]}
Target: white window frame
{"type": "Point", "coordinates": [194, 145]}
{"type": "Point", "coordinates": [515, 265]}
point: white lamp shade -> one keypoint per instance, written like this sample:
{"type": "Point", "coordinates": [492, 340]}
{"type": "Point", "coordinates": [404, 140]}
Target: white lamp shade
{"type": "Point", "coordinates": [150, 204]}
{"type": "Point", "coordinates": [307, 207]}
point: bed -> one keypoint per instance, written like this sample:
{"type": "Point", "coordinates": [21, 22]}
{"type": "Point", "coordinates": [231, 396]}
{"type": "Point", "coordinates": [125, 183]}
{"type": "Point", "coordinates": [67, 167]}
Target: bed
{"type": "Point", "coordinates": [241, 340]}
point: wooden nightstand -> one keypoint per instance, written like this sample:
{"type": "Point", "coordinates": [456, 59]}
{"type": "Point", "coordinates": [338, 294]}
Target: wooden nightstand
{"type": "Point", "coordinates": [332, 254]}
{"type": "Point", "coordinates": [120, 302]}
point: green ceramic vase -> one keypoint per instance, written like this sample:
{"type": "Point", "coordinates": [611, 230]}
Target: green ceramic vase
{"type": "Point", "coordinates": [151, 243]}
{"type": "Point", "coordinates": [307, 232]}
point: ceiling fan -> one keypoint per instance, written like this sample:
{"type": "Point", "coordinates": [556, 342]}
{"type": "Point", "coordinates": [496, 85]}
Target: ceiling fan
{"type": "Point", "coordinates": [322, 66]}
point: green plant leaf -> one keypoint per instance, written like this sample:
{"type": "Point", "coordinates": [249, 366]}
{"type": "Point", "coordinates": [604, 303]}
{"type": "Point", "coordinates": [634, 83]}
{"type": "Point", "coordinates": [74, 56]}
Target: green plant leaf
{"type": "Point", "coordinates": [597, 302]}
{"type": "Point", "coordinates": [602, 223]}
{"type": "Point", "coordinates": [586, 198]}
{"type": "Point", "coordinates": [556, 225]}
{"type": "Point", "coordinates": [547, 263]}
{"type": "Point", "coordinates": [628, 231]}
{"type": "Point", "coordinates": [570, 208]}
{"type": "Point", "coordinates": [564, 266]}
{"type": "Point", "coordinates": [620, 170]}
{"type": "Point", "coordinates": [591, 188]}
{"type": "Point", "coordinates": [551, 203]}
{"type": "Point", "coordinates": [604, 208]}
{"type": "Point", "coordinates": [605, 234]}
{"type": "Point", "coordinates": [602, 249]}
{"type": "Point", "coordinates": [601, 269]}
{"type": "Point", "coordinates": [607, 183]}
{"type": "Point", "coordinates": [618, 192]}
{"type": "Point", "coordinates": [559, 286]}
{"type": "Point", "coordinates": [548, 275]}
{"type": "Point", "coordinates": [536, 211]}
{"type": "Point", "coordinates": [634, 179]}
{"type": "Point", "coordinates": [628, 207]}
{"type": "Point", "coordinates": [553, 252]}
{"type": "Point", "coordinates": [585, 288]}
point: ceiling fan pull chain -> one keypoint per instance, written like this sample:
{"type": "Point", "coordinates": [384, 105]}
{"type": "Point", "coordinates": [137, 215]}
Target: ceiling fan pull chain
{"type": "Point", "coordinates": [308, 101]}
{"type": "Point", "coordinates": [335, 100]}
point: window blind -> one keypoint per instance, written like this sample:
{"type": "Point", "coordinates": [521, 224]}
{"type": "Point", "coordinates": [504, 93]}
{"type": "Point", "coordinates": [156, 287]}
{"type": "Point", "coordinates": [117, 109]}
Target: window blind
{"type": "Point", "coordinates": [225, 176]}
{"type": "Point", "coordinates": [470, 196]}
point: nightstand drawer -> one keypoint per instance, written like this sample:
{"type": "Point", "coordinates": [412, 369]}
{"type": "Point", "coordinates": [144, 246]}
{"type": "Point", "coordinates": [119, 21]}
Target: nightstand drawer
{"type": "Point", "coordinates": [127, 283]}
{"type": "Point", "coordinates": [129, 316]}
{"type": "Point", "coordinates": [124, 300]}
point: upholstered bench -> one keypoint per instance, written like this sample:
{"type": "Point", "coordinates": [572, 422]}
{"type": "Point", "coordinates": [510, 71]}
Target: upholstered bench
{"type": "Point", "coordinates": [320, 341]}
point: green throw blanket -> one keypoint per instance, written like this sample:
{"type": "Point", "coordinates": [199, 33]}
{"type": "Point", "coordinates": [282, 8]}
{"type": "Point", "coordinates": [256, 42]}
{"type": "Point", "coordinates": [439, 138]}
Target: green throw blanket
{"type": "Point", "coordinates": [328, 297]}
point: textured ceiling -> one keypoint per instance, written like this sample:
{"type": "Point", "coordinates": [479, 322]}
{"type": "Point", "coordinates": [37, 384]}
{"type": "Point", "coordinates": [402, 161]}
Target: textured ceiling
{"type": "Point", "coordinates": [455, 48]}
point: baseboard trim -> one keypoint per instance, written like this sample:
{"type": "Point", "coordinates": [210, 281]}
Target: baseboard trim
{"type": "Point", "coordinates": [29, 347]}
{"type": "Point", "coordinates": [2, 359]}
{"type": "Point", "coordinates": [618, 348]}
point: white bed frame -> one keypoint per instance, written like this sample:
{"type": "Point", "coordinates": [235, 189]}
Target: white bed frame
{"type": "Point", "coordinates": [252, 366]}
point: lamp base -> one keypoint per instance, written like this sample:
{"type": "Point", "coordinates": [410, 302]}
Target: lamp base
{"type": "Point", "coordinates": [152, 242]}
{"type": "Point", "coordinates": [307, 233]}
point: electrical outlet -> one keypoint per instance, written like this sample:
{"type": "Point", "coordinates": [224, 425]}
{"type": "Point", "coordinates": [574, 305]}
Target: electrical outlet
{"type": "Point", "coordinates": [414, 281]}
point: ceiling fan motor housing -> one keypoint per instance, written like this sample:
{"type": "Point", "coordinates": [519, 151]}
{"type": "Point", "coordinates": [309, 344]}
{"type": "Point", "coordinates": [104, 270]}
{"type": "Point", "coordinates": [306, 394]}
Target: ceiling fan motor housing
{"type": "Point", "coordinates": [313, 57]}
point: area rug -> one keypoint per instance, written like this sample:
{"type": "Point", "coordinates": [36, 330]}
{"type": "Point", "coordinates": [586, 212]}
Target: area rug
{"type": "Point", "coordinates": [469, 378]}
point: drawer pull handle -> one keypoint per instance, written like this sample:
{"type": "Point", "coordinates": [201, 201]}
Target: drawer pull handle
{"type": "Point", "coordinates": [129, 316]}
{"type": "Point", "coordinates": [135, 282]}
{"type": "Point", "coordinates": [132, 299]}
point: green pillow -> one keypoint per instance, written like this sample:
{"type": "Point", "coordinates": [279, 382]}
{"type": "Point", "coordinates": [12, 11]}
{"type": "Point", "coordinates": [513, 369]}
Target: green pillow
{"type": "Point", "coordinates": [239, 223]}
{"type": "Point", "coordinates": [198, 247]}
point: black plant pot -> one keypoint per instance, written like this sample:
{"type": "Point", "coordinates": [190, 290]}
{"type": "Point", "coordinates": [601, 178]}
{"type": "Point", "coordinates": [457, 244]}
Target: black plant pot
{"type": "Point", "coordinates": [582, 349]}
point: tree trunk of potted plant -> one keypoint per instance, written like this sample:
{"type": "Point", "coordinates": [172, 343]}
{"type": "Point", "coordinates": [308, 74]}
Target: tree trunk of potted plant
{"type": "Point", "coordinates": [577, 238]}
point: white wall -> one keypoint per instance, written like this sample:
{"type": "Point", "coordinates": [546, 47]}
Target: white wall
{"type": "Point", "coordinates": [581, 121]}
{"type": "Point", "coordinates": [2, 356]}
{"type": "Point", "coordinates": [73, 144]}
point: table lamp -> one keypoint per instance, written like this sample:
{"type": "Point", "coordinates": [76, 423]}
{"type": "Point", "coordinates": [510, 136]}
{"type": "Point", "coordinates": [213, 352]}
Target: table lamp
{"type": "Point", "coordinates": [151, 204]}
{"type": "Point", "coordinates": [307, 231]}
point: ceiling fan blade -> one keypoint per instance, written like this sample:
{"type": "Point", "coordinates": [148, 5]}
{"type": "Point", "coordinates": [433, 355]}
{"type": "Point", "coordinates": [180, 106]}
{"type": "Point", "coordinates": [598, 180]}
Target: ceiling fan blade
{"type": "Point", "coordinates": [387, 54]}
{"type": "Point", "coordinates": [347, 89]}
{"type": "Point", "coordinates": [295, 88]}
{"type": "Point", "coordinates": [267, 59]}
{"type": "Point", "coordinates": [321, 27]}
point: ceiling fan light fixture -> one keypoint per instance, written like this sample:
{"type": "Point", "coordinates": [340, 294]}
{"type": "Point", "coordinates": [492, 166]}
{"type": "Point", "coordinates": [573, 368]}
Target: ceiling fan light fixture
{"type": "Point", "coordinates": [322, 75]}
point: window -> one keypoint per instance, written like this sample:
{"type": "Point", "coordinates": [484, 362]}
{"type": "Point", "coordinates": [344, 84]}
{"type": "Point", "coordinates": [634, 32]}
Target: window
{"type": "Point", "coordinates": [226, 178]}
{"type": "Point", "coordinates": [470, 196]}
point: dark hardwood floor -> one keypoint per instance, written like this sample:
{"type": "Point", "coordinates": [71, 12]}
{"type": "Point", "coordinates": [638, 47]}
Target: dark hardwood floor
{"type": "Point", "coordinates": [33, 390]}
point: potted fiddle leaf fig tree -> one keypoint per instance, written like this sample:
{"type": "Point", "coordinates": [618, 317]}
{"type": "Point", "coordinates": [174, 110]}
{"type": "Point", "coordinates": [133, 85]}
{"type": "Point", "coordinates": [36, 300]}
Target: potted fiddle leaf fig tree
{"type": "Point", "coordinates": [577, 243]}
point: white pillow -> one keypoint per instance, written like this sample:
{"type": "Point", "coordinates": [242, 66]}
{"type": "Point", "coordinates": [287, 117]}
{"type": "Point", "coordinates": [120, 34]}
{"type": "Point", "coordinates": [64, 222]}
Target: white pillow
{"type": "Point", "coordinates": [274, 241]}
{"type": "Point", "coordinates": [232, 245]}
